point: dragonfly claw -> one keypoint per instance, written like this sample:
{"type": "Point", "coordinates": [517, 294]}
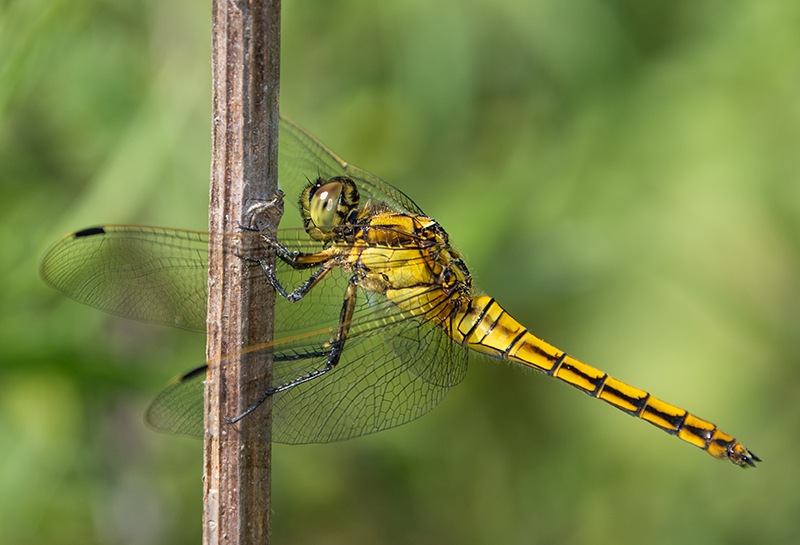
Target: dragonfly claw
{"type": "Point", "coordinates": [264, 214]}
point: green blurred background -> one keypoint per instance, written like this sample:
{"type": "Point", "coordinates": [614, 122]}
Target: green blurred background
{"type": "Point", "coordinates": [621, 175]}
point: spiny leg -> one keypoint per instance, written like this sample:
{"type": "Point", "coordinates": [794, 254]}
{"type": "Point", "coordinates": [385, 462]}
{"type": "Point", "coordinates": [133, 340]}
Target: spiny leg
{"type": "Point", "coordinates": [297, 261]}
{"type": "Point", "coordinates": [332, 356]}
{"type": "Point", "coordinates": [299, 292]}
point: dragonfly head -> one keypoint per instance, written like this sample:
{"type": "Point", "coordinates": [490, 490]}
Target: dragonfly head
{"type": "Point", "coordinates": [328, 204]}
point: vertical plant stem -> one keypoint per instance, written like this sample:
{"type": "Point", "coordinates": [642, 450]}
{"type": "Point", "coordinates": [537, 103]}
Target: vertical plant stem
{"type": "Point", "coordinates": [246, 54]}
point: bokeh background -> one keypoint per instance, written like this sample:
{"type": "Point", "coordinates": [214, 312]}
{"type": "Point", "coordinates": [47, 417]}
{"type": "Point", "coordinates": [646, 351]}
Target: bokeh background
{"type": "Point", "coordinates": [621, 175]}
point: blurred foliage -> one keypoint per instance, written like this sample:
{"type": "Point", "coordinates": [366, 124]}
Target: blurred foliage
{"type": "Point", "coordinates": [622, 176]}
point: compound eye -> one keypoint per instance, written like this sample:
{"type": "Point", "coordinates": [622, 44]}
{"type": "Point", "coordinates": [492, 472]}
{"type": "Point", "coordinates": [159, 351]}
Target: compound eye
{"type": "Point", "coordinates": [324, 205]}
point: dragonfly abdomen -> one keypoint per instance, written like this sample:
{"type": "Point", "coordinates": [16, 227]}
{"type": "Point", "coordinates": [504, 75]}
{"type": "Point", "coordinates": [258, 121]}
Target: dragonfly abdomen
{"type": "Point", "coordinates": [484, 326]}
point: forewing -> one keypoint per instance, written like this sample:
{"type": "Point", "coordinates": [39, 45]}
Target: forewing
{"type": "Point", "coordinates": [146, 273]}
{"type": "Point", "coordinates": [160, 275]}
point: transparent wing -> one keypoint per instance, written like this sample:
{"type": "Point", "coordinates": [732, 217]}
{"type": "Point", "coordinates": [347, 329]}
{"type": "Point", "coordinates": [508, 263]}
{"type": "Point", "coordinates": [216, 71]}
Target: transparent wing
{"type": "Point", "coordinates": [378, 384]}
{"type": "Point", "coordinates": [395, 367]}
{"type": "Point", "coordinates": [145, 273]}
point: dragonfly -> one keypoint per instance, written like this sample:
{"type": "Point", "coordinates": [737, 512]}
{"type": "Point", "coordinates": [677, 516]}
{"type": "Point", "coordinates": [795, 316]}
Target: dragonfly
{"type": "Point", "coordinates": [375, 318]}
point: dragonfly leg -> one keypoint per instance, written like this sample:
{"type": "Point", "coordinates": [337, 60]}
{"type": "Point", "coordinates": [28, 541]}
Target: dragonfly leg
{"type": "Point", "coordinates": [293, 258]}
{"type": "Point", "coordinates": [332, 355]}
{"type": "Point", "coordinates": [264, 213]}
{"type": "Point", "coordinates": [299, 292]}
{"type": "Point", "coordinates": [298, 261]}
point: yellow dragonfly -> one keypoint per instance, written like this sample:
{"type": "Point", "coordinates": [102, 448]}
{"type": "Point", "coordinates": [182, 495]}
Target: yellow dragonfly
{"type": "Point", "coordinates": [375, 318]}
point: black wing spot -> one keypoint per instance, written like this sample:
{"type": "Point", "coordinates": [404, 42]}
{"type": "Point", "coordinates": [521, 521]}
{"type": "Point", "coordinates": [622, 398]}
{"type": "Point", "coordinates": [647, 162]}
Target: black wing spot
{"type": "Point", "coordinates": [89, 232]}
{"type": "Point", "coordinates": [193, 373]}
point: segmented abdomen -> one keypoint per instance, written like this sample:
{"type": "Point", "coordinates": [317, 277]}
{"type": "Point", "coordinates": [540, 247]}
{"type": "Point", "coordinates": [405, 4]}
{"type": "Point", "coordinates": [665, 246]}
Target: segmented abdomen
{"type": "Point", "coordinates": [484, 326]}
